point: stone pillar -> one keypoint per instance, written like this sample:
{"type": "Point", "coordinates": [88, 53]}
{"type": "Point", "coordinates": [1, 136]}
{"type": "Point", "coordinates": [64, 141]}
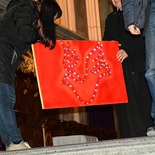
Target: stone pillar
{"type": "Point", "coordinates": [93, 18]}
{"type": "Point", "coordinates": [68, 14]}
{"type": "Point", "coordinates": [105, 8]}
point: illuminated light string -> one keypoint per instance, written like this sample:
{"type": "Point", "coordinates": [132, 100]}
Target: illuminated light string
{"type": "Point", "coordinates": [71, 60]}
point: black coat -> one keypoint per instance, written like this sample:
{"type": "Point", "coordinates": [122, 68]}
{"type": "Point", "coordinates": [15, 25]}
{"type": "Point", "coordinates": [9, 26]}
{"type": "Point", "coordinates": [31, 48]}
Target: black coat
{"type": "Point", "coordinates": [133, 117]}
{"type": "Point", "coordinates": [132, 44]}
{"type": "Point", "coordinates": [16, 35]}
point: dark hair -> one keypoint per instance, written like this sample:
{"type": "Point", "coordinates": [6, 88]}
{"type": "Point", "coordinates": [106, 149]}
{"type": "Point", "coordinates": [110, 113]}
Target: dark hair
{"type": "Point", "coordinates": [50, 11]}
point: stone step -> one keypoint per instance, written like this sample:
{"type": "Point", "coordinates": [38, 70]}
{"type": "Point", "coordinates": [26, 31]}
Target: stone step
{"type": "Point", "coordinates": [128, 146]}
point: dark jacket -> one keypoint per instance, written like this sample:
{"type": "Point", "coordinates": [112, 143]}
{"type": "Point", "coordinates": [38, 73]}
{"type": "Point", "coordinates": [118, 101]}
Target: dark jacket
{"type": "Point", "coordinates": [136, 12]}
{"type": "Point", "coordinates": [132, 44]}
{"type": "Point", "coordinates": [16, 35]}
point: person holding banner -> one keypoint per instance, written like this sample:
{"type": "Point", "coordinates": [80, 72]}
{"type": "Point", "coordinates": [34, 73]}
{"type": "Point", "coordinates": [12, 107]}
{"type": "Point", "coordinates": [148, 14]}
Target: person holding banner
{"type": "Point", "coordinates": [133, 117]}
{"type": "Point", "coordinates": [139, 19]}
{"type": "Point", "coordinates": [19, 29]}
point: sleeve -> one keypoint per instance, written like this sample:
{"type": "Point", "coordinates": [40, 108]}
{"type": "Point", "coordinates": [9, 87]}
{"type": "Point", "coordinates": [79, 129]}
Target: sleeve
{"type": "Point", "coordinates": [24, 18]}
{"type": "Point", "coordinates": [128, 12]}
{"type": "Point", "coordinates": [134, 12]}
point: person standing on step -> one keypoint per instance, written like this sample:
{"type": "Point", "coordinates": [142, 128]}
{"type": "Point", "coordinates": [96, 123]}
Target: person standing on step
{"type": "Point", "coordinates": [139, 17]}
{"type": "Point", "coordinates": [24, 22]}
{"type": "Point", "coordinates": [133, 117]}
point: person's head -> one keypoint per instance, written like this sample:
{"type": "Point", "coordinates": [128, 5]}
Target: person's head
{"type": "Point", "coordinates": [117, 3]}
{"type": "Point", "coordinates": [49, 12]}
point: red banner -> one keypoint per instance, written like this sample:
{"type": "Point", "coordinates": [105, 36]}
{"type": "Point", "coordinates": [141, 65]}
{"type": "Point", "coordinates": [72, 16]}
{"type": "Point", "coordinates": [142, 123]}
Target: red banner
{"type": "Point", "coordinates": [79, 73]}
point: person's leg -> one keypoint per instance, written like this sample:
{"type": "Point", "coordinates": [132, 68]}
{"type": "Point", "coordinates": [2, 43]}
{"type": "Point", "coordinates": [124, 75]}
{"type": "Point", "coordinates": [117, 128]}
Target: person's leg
{"type": "Point", "coordinates": [150, 58]}
{"type": "Point", "coordinates": [8, 127]}
{"type": "Point", "coordinates": [3, 133]}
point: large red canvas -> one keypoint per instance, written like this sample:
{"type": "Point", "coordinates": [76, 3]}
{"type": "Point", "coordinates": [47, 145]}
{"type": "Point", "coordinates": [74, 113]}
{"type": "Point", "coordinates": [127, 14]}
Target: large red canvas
{"type": "Point", "coordinates": [79, 73]}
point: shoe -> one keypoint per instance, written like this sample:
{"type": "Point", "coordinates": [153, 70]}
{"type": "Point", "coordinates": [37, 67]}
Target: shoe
{"type": "Point", "coordinates": [21, 146]}
{"type": "Point", "coordinates": [151, 131]}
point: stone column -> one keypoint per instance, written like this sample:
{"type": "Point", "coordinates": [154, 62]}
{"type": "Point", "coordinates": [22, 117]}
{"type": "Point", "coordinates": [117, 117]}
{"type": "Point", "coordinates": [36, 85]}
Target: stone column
{"type": "Point", "coordinates": [68, 14]}
{"type": "Point", "coordinates": [93, 18]}
{"type": "Point", "coordinates": [105, 8]}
